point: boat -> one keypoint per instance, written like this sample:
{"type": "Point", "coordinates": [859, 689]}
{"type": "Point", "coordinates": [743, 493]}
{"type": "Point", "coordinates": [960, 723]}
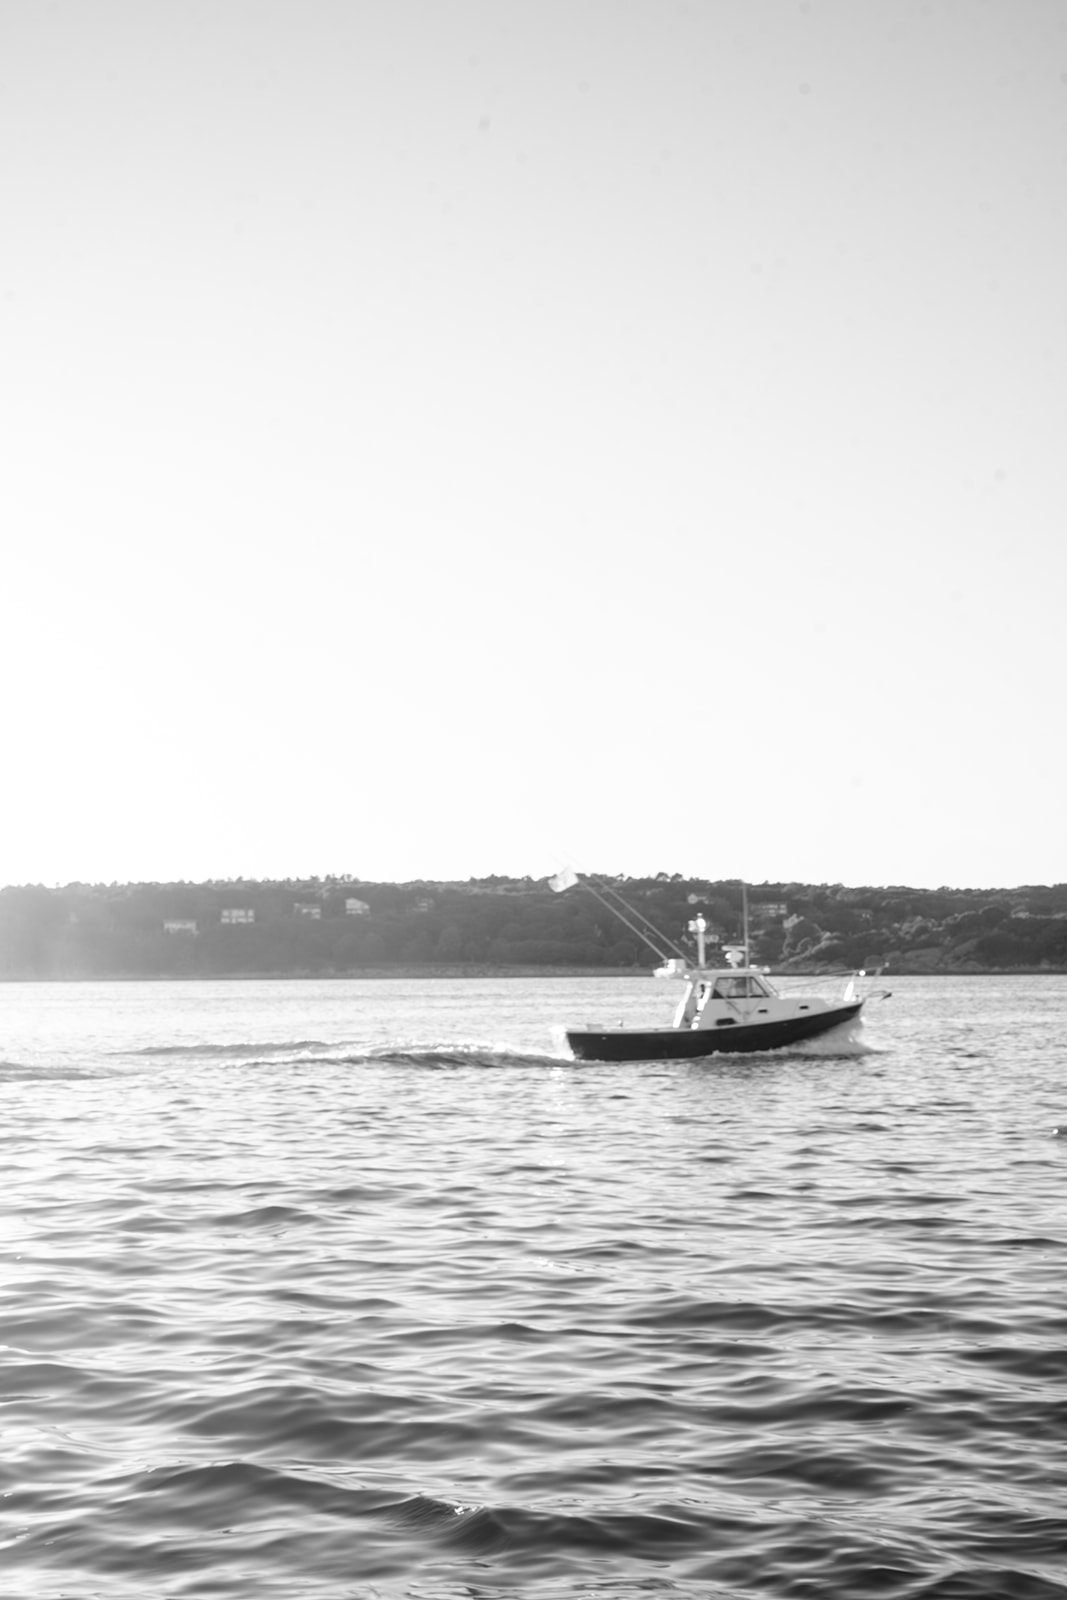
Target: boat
{"type": "Point", "coordinates": [732, 1008]}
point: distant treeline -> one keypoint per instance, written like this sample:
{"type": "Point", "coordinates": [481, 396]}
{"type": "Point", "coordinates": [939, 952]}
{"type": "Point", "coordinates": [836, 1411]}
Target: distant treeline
{"type": "Point", "coordinates": [334, 926]}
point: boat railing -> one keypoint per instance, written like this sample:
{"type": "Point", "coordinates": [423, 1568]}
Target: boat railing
{"type": "Point", "coordinates": [840, 987]}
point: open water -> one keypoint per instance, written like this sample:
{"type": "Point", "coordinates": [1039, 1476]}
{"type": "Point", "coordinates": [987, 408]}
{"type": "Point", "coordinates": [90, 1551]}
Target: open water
{"type": "Point", "coordinates": [362, 1290]}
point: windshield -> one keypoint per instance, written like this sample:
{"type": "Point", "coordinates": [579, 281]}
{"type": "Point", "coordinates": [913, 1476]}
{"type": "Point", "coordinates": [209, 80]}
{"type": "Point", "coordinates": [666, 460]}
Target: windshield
{"type": "Point", "coordinates": [739, 986]}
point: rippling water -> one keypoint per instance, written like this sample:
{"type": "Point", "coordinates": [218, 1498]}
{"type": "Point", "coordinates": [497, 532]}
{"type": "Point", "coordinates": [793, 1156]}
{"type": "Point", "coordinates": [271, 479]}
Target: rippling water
{"type": "Point", "coordinates": [352, 1290]}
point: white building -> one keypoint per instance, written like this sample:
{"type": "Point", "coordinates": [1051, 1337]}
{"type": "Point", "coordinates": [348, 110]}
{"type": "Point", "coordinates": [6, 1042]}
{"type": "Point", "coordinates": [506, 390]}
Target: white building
{"type": "Point", "coordinates": [179, 925]}
{"type": "Point", "coordinates": [308, 908]}
{"type": "Point", "coordinates": [235, 914]}
{"type": "Point", "coordinates": [356, 908]}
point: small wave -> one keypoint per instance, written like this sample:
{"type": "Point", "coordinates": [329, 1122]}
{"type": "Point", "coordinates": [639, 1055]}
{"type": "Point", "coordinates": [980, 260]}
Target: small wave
{"type": "Point", "coordinates": [430, 1057]}
{"type": "Point", "coordinates": [1030, 1364]}
{"type": "Point", "coordinates": [230, 1486]}
{"type": "Point", "coordinates": [460, 1055]}
{"type": "Point", "coordinates": [19, 1072]}
{"type": "Point", "coordinates": [272, 1047]}
{"type": "Point", "coordinates": [15, 1069]}
{"type": "Point", "coordinates": [317, 1052]}
{"type": "Point", "coordinates": [486, 1530]}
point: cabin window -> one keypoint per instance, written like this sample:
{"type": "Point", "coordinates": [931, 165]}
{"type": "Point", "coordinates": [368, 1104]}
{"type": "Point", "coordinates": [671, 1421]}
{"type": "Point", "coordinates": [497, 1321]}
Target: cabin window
{"type": "Point", "coordinates": [731, 989]}
{"type": "Point", "coordinates": [740, 987]}
{"type": "Point", "coordinates": [725, 1022]}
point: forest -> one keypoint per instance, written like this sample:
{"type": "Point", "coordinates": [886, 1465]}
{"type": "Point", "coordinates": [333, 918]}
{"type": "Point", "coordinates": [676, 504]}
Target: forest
{"type": "Point", "coordinates": [343, 926]}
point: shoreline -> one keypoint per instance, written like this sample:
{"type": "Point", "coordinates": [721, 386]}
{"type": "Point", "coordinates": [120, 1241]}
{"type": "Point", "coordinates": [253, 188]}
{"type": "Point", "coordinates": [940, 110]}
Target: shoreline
{"type": "Point", "coordinates": [398, 973]}
{"type": "Point", "coordinates": [437, 972]}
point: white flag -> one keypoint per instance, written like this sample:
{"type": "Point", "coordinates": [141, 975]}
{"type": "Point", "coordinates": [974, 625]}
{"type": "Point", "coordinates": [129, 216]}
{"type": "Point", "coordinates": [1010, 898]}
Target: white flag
{"type": "Point", "coordinates": [563, 880]}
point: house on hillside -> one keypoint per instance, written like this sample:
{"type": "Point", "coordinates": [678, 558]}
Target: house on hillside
{"type": "Point", "coordinates": [356, 908]}
{"type": "Point", "coordinates": [232, 915]}
{"type": "Point", "coordinates": [308, 908]}
{"type": "Point", "coordinates": [179, 925]}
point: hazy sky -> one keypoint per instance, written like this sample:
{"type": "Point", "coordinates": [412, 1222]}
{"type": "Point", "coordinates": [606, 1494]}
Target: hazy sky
{"type": "Point", "coordinates": [439, 435]}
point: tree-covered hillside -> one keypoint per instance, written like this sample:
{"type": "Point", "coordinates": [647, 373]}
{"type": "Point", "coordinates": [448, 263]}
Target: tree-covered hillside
{"type": "Point", "coordinates": [341, 925]}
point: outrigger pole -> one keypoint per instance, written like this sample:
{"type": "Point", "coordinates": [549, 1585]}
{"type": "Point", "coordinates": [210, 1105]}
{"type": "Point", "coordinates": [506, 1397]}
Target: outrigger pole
{"type": "Point", "coordinates": [569, 879]}
{"type": "Point", "coordinates": [655, 948]}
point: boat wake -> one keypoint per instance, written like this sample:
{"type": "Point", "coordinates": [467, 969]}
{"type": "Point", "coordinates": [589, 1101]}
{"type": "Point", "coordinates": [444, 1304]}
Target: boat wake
{"type": "Point", "coordinates": [462, 1055]}
{"type": "Point", "coordinates": [432, 1055]}
{"type": "Point", "coordinates": [845, 1042]}
{"type": "Point", "coordinates": [18, 1072]}
{"type": "Point", "coordinates": [271, 1047]}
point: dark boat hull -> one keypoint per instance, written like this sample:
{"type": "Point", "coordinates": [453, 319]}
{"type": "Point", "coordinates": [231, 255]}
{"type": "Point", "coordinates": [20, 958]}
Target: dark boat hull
{"type": "Point", "coordinates": [686, 1044]}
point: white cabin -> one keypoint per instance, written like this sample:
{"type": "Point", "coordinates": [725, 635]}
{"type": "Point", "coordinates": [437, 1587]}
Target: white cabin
{"type": "Point", "coordinates": [739, 996]}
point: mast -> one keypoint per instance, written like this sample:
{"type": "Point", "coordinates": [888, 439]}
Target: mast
{"type": "Point", "coordinates": [744, 921]}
